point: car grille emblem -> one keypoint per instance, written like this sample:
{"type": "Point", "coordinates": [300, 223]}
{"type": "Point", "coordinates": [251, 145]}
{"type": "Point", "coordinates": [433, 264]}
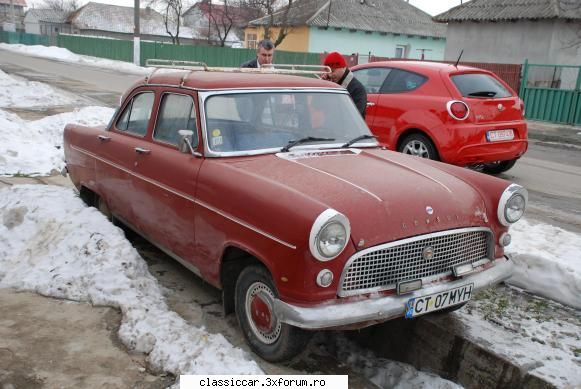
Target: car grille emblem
{"type": "Point", "coordinates": [429, 210]}
{"type": "Point", "coordinates": [428, 253]}
{"type": "Point", "coordinates": [500, 107]}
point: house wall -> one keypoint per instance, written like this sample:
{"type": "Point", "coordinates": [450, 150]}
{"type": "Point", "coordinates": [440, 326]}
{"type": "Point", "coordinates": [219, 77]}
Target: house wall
{"type": "Point", "coordinates": [348, 42]}
{"type": "Point", "coordinates": [6, 15]}
{"type": "Point", "coordinates": [297, 40]}
{"type": "Point", "coordinates": [541, 42]}
{"type": "Point", "coordinates": [32, 27]}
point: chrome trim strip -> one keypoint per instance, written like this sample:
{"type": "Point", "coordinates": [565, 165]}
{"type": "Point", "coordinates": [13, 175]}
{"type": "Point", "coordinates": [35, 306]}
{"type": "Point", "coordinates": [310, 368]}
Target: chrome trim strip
{"type": "Point", "coordinates": [250, 227]}
{"type": "Point", "coordinates": [361, 253]}
{"type": "Point", "coordinates": [417, 172]}
{"type": "Point", "coordinates": [187, 197]}
{"type": "Point", "coordinates": [337, 314]}
{"type": "Point", "coordinates": [204, 95]}
{"type": "Point", "coordinates": [338, 178]}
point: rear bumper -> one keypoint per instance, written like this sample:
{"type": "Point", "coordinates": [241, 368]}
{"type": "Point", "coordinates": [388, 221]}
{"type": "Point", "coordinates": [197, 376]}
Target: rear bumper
{"type": "Point", "coordinates": [474, 148]}
{"type": "Point", "coordinates": [382, 308]}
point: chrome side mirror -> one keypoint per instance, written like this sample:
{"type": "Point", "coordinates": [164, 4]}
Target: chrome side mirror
{"type": "Point", "coordinates": [186, 137]}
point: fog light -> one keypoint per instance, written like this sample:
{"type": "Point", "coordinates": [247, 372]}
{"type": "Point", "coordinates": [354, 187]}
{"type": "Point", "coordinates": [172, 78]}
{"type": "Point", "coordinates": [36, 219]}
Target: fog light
{"type": "Point", "coordinates": [408, 286]}
{"type": "Point", "coordinates": [324, 278]}
{"type": "Point", "coordinates": [505, 239]}
{"type": "Point", "coordinates": [461, 270]}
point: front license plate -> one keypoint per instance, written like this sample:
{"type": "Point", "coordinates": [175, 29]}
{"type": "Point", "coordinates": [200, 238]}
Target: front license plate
{"type": "Point", "coordinates": [418, 306]}
{"type": "Point", "coordinates": [498, 135]}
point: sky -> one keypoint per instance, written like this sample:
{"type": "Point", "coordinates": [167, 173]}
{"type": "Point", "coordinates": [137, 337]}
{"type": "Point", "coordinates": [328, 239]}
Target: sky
{"type": "Point", "coordinates": [432, 7]}
{"type": "Point", "coordinates": [52, 244]}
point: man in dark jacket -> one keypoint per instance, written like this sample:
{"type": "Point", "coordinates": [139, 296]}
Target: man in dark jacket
{"type": "Point", "coordinates": [343, 76]}
{"type": "Point", "coordinates": [264, 54]}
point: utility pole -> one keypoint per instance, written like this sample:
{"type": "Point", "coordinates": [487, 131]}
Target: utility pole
{"type": "Point", "coordinates": [423, 51]}
{"type": "Point", "coordinates": [136, 36]}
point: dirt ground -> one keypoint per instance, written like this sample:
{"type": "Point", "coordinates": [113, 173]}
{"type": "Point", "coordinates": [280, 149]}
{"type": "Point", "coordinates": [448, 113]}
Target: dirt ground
{"type": "Point", "coordinates": [50, 343]}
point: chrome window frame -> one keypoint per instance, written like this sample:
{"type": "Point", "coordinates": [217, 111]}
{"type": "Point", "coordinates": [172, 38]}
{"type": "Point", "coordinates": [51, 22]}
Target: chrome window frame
{"type": "Point", "coordinates": [206, 94]}
{"type": "Point", "coordinates": [161, 97]}
{"type": "Point", "coordinates": [342, 293]}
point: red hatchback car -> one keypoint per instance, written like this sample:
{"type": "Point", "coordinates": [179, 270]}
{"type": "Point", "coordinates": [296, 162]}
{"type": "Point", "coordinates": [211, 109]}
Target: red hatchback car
{"type": "Point", "coordinates": [456, 114]}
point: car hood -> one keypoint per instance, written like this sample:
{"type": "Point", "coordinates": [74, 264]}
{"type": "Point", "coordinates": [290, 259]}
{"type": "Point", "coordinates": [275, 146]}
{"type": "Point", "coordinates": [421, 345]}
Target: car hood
{"type": "Point", "coordinates": [386, 195]}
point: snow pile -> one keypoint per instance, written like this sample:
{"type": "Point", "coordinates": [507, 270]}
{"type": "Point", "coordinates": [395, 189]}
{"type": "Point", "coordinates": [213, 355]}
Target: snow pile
{"type": "Point", "coordinates": [548, 262]}
{"type": "Point", "coordinates": [21, 93]}
{"type": "Point", "coordinates": [52, 244]}
{"type": "Point", "coordinates": [61, 54]}
{"type": "Point", "coordinates": [35, 148]}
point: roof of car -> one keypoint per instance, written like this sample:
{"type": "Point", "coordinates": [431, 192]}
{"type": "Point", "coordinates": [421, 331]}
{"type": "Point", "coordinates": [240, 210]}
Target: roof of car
{"type": "Point", "coordinates": [420, 66]}
{"type": "Point", "coordinates": [216, 80]}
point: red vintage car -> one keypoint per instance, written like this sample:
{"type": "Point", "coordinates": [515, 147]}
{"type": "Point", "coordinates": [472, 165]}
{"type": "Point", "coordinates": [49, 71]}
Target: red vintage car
{"type": "Point", "coordinates": [455, 114]}
{"type": "Point", "coordinates": [271, 188]}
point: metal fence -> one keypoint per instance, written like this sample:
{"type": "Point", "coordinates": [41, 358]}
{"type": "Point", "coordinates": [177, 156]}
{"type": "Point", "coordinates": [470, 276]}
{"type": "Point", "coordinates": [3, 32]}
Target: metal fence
{"type": "Point", "coordinates": [552, 92]}
{"type": "Point", "coordinates": [122, 50]}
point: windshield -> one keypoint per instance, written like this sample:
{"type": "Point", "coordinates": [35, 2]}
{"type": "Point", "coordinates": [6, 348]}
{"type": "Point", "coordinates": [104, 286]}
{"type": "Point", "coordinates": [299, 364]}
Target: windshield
{"type": "Point", "coordinates": [270, 120]}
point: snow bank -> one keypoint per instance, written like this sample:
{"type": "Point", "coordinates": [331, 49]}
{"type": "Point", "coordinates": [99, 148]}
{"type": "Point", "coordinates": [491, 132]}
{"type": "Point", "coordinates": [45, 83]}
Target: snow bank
{"type": "Point", "coordinates": [52, 244]}
{"type": "Point", "coordinates": [548, 262]}
{"type": "Point", "coordinates": [35, 148]}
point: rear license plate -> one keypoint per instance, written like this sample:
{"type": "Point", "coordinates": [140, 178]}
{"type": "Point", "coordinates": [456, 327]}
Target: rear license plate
{"type": "Point", "coordinates": [418, 306]}
{"type": "Point", "coordinates": [498, 135]}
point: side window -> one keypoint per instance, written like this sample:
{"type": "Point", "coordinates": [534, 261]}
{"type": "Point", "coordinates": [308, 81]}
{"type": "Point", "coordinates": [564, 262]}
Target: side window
{"type": "Point", "coordinates": [372, 78]}
{"type": "Point", "coordinates": [176, 112]}
{"type": "Point", "coordinates": [135, 117]}
{"type": "Point", "coordinates": [402, 81]}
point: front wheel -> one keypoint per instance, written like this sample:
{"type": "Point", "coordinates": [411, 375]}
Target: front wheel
{"type": "Point", "coordinates": [498, 166]}
{"type": "Point", "coordinates": [418, 145]}
{"type": "Point", "coordinates": [268, 337]}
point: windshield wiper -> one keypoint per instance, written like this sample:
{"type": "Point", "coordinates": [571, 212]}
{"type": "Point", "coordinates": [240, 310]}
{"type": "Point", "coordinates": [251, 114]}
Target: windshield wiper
{"type": "Point", "coordinates": [360, 137]}
{"type": "Point", "coordinates": [293, 143]}
{"type": "Point", "coordinates": [483, 94]}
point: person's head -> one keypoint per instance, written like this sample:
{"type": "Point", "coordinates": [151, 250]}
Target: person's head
{"type": "Point", "coordinates": [337, 63]}
{"type": "Point", "coordinates": [265, 52]}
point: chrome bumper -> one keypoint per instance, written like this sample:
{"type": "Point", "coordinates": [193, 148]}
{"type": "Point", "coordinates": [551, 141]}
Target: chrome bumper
{"type": "Point", "coordinates": [381, 308]}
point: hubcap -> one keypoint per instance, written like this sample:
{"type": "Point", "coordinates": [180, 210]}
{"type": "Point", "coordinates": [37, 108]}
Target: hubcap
{"type": "Point", "coordinates": [416, 148]}
{"type": "Point", "coordinates": [260, 313]}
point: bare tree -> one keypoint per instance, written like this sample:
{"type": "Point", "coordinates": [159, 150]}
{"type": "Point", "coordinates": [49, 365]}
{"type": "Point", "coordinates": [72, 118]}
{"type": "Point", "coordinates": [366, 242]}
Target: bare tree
{"type": "Point", "coordinates": [276, 13]}
{"type": "Point", "coordinates": [61, 5]}
{"type": "Point", "coordinates": [226, 17]}
{"type": "Point", "coordinates": [172, 11]}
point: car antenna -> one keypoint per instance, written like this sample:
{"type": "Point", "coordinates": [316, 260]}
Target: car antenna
{"type": "Point", "coordinates": [458, 60]}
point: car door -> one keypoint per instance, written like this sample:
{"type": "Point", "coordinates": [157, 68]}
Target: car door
{"type": "Point", "coordinates": [166, 177]}
{"type": "Point", "coordinates": [395, 99]}
{"type": "Point", "coordinates": [115, 154]}
{"type": "Point", "coordinates": [372, 79]}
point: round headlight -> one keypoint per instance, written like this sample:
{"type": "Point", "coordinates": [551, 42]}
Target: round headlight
{"type": "Point", "coordinates": [512, 204]}
{"type": "Point", "coordinates": [515, 208]}
{"type": "Point", "coordinates": [329, 235]}
{"type": "Point", "coordinates": [331, 239]}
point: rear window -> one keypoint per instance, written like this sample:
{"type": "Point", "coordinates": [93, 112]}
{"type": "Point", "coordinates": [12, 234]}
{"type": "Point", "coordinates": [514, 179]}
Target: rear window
{"type": "Point", "coordinates": [480, 85]}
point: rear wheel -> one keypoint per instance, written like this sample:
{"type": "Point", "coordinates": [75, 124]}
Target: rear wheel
{"type": "Point", "coordinates": [418, 145]}
{"type": "Point", "coordinates": [498, 166]}
{"type": "Point", "coordinates": [268, 337]}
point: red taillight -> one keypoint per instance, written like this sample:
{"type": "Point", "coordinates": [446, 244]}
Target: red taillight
{"type": "Point", "coordinates": [458, 109]}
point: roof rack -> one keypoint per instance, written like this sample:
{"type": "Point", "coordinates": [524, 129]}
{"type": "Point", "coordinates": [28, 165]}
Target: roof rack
{"type": "Point", "coordinates": [316, 70]}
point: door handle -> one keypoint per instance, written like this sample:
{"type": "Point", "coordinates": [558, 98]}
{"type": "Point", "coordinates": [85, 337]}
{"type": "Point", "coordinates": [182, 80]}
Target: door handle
{"type": "Point", "coordinates": [140, 150]}
{"type": "Point", "coordinates": [104, 138]}
{"type": "Point", "coordinates": [370, 104]}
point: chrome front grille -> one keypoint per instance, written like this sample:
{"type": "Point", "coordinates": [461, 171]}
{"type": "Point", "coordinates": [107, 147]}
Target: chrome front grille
{"type": "Point", "coordinates": [382, 267]}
